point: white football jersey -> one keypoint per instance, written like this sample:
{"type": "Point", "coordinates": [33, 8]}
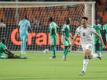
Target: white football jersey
{"type": "Point", "coordinates": [85, 34]}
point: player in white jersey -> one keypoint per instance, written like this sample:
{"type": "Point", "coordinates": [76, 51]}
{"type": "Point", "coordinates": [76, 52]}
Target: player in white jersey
{"type": "Point", "coordinates": [85, 32]}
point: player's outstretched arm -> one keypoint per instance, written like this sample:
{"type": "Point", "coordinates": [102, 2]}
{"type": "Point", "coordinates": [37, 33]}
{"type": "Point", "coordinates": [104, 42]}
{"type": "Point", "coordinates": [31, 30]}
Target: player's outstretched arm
{"type": "Point", "coordinates": [75, 36]}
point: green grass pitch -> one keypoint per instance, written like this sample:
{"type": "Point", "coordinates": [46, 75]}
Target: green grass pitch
{"type": "Point", "coordinates": [38, 66]}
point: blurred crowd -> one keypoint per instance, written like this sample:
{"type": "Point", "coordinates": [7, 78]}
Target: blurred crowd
{"type": "Point", "coordinates": [101, 7]}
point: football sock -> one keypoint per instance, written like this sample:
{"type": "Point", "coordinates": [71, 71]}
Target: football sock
{"type": "Point", "coordinates": [85, 63]}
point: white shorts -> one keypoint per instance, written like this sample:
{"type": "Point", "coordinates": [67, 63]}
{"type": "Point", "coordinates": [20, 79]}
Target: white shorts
{"type": "Point", "coordinates": [88, 46]}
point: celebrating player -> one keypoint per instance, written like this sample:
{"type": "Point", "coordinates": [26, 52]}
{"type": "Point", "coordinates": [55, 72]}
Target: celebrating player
{"type": "Point", "coordinates": [65, 37]}
{"type": "Point", "coordinates": [85, 31]}
{"type": "Point", "coordinates": [53, 36]}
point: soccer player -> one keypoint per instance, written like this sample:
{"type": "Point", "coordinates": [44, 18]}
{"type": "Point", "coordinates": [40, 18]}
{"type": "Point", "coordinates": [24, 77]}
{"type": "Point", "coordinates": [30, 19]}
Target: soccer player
{"type": "Point", "coordinates": [97, 43]}
{"type": "Point", "coordinates": [24, 25]}
{"type": "Point", "coordinates": [6, 53]}
{"type": "Point", "coordinates": [85, 31]}
{"type": "Point", "coordinates": [66, 37]}
{"type": "Point", "coordinates": [53, 36]}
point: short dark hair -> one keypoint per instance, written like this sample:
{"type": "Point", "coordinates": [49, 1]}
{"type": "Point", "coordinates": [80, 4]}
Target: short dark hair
{"type": "Point", "coordinates": [86, 18]}
{"type": "Point", "coordinates": [67, 20]}
{"type": "Point", "coordinates": [51, 19]}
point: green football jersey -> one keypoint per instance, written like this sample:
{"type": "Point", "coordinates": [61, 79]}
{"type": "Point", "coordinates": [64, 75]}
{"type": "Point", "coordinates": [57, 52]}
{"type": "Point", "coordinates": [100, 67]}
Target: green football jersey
{"type": "Point", "coordinates": [105, 27]}
{"type": "Point", "coordinates": [53, 28]}
{"type": "Point", "coordinates": [66, 35]}
{"type": "Point", "coordinates": [66, 31]}
{"type": "Point", "coordinates": [2, 48]}
{"type": "Point", "coordinates": [98, 29]}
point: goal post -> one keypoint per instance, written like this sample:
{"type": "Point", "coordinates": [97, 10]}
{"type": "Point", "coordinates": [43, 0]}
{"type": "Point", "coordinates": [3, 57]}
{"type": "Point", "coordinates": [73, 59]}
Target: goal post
{"type": "Point", "coordinates": [38, 13]}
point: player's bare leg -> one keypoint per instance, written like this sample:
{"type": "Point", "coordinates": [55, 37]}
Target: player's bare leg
{"type": "Point", "coordinates": [87, 57]}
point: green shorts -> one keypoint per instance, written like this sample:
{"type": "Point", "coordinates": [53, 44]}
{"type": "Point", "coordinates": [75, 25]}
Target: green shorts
{"type": "Point", "coordinates": [66, 42]}
{"type": "Point", "coordinates": [53, 40]}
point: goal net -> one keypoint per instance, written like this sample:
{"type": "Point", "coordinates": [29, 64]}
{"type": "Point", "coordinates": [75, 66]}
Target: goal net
{"type": "Point", "coordinates": [38, 13]}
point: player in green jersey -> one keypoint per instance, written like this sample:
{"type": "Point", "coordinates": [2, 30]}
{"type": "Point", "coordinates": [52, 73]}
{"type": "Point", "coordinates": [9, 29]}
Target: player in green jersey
{"type": "Point", "coordinates": [105, 28]}
{"type": "Point", "coordinates": [66, 37]}
{"type": "Point", "coordinates": [53, 36]}
{"type": "Point", "coordinates": [97, 43]}
{"type": "Point", "coordinates": [6, 53]}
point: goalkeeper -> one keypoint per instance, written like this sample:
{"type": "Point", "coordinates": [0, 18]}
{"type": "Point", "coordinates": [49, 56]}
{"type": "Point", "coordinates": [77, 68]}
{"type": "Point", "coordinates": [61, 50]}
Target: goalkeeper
{"type": "Point", "coordinates": [24, 25]}
{"type": "Point", "coordinates": [5, 53]}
